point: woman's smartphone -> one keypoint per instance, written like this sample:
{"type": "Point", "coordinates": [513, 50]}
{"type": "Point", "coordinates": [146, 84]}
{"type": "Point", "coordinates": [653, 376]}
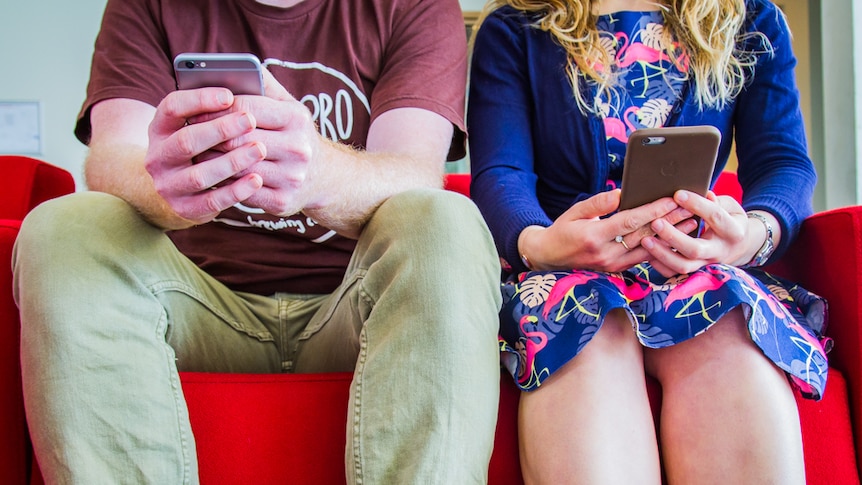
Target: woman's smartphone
{"type": "Point", "coordinates": [241, 73]}
{"type": "Point", "coordinates": [660, 161]}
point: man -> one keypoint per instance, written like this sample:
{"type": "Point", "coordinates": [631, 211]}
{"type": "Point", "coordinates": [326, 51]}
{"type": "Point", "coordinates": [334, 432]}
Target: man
{"type": "Point", "coordinates": [301, 231]}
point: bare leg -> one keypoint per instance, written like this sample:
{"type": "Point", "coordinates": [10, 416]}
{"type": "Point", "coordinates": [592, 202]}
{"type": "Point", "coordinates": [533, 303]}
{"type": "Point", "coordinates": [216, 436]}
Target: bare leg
{"type": "Point", "coordinates": [728, 413]}
{"type": "Point", "coordinates": [591, 422]}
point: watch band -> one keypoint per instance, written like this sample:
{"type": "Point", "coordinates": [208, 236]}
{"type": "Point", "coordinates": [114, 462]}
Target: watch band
{"type": "Point", "coordinates": [768, 247]}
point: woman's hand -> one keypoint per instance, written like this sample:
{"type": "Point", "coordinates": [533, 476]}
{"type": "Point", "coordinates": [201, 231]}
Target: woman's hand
{"type": "Point", "coordinates": [729, 236]}
{"type": "Point", "coordinates": [581, 239]}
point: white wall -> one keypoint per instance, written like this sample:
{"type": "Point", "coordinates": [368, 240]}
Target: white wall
{"type": "Point", "coordinates": [836, 101]}
{"type": "Point", "coordinates": [45, 54]}
{"type": "Point", "coordinates": [47, 44]}
{"type": "Point", "coordinates": [472, 4]}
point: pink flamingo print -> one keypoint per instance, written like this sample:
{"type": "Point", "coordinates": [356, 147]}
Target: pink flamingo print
{"type": "Point", "coordinates": [638, 52]}
{"type": "Point", "coordinates": [614, 128]}
{"type": "Point", "coordinates": [632, 52]}
{"type": "Point", "coordinates": [535, 342]}
{"type": "Point", "coordinates": [619, 129]}
{"type": "Point", "coordinates": [774, 305]}
{"type": "Point", "coordinates": [632, 292]}
{"type": "Point", "coordinates": [697, 284]}
{"type": "Point", "coordinates": [563, 287]}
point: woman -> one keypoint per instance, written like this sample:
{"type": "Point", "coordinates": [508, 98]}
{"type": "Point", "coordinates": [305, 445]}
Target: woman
{"type": "Point", "coordinates": [557, 87]}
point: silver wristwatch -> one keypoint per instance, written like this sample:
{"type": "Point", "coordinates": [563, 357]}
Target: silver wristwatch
{"type": "Point", "coordinates": [768, 247]}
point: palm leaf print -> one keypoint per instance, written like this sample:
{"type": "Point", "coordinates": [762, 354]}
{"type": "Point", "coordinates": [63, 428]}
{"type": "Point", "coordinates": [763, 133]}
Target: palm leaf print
{"type": "Point", "coordinates": [535, 289]}
{"type": "Point", "coordinates": [653, 36]}
{"type": "Point", "coordinates": [654, 113]}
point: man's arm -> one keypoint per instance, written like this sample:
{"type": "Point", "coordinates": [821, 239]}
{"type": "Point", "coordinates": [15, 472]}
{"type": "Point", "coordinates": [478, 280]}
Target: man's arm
{"type": "Point", "coordinates": [406, 149]}
{"type": "Point", "coordinates": [115, 161]}
{"type": "Point", "coordinates": [338, 186]}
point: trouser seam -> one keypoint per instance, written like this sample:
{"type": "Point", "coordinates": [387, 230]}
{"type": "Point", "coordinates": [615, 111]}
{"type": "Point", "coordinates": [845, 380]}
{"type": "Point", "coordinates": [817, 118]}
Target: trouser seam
{"type": "Point", "coordinates": [357, 406]}
{"type": "Point", "coordinates": [179, 402]}
{"type": "Point", "coordinates": [180, 287]}
{"type": "Point", "coordinates": [359, 375]}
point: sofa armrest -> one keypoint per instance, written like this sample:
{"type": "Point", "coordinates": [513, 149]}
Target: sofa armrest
{"type": "Point", "coordinates": [29, 182]}
{"type": "Point", "coordinates": [14, 439]}
{"type": "Point", "coordinates": [827, 260]}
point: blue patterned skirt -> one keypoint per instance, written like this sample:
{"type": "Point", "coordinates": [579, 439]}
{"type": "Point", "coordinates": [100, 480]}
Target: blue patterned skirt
{"type": "Point", "coordinates": [549, 316]}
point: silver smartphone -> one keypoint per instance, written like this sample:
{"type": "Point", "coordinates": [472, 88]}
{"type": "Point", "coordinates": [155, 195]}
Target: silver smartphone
{"type": "Point", "coordinates": [239, 72]}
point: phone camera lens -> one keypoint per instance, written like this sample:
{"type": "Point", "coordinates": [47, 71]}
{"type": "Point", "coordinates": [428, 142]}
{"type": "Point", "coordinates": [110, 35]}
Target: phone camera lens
{"type": "Point", "coordinates": [654, 140]}
{"type": "Point", "coordinates": [190, 65]}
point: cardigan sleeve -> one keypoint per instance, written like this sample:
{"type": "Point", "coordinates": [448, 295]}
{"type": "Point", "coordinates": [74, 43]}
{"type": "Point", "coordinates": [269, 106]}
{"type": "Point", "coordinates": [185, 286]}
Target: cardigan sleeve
{"type": "Point", "coordinates": [775, 170]}
{"type": "Point", "coordinates": [499, 123]}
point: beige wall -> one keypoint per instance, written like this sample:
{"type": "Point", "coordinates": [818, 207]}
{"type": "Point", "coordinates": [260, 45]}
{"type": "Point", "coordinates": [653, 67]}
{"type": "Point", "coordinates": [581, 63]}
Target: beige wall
{"type": "Point", "coordinates": [797, 18]}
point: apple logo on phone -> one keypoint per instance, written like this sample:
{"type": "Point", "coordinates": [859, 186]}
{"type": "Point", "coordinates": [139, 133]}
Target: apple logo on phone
{"type": "Point", "coordinates": [669, 168]}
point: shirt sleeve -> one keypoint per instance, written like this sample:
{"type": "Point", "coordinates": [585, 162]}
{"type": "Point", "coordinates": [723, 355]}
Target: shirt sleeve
{"type": "Point", "coordinates": [130, 60]}
{"type": "Point", "coordinates": [426, 65]}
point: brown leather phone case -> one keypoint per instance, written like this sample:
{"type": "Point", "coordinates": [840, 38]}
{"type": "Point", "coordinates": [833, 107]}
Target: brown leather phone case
{"type": "Point", "coordinates": [660, 161]}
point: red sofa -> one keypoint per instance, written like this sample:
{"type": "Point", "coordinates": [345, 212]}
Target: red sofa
{"type": "Point", "coordinates": [279, 429]}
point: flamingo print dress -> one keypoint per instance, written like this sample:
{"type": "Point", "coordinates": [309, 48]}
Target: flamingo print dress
{"type": "Point", "coordinates": [549, 316]}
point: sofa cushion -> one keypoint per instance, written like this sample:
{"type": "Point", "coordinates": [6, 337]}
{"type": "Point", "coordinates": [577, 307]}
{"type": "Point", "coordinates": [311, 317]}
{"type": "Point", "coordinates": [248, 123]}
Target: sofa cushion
{"type": "Point", "coordinates": [14, 439]}
{"type": "Point", "coordinates": [290, 428]}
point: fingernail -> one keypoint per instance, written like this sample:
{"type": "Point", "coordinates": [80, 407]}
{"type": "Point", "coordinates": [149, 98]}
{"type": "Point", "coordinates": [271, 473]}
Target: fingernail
{"type": "Point", "coordinates": [657, 225]}
{"type": "Point", "coordinates": [246, 122]}
{"type": "Point", "coordinates": [223, 97]}
{"type": "Point", "coordinates": [261, 150]}
{"type": "Point", "coordinates": [682, 195]}
{"type": "Point", "coordinates": [647, 242]}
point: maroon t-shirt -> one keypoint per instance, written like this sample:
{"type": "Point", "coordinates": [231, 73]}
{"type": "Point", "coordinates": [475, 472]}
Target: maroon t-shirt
{"type": "Point", "coordinates": [348, 61]}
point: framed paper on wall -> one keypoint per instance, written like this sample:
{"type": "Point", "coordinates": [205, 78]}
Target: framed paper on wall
{"type": "Point", "coordinates": [20, 127]}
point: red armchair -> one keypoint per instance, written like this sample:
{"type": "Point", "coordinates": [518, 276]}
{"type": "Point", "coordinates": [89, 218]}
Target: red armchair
{"type": "Point", "coordinates": [26, 183]}
{"type": "Point", "coordinates": [295, 431]}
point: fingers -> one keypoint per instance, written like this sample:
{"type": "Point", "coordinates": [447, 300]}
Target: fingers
{"type": "Point", "coordinates": [273, 89]}
{"type": "Point", "coordinates": [277, 201]}
{"type": "Point", "coordinates": [234, 164]}
{"type": "Point", "coordinates": [178, 106]}
{"type": "Point", "coordinates": [596, 206]}
{"type": "Point", "coordinates": [634, 224]}
{"type": "Point", "coordinates": [270, 110]}
{"type": "Point", "coordinates": [718, 213]}
{"type": "Point", "coordinates": [204, 206]}
{"type": "Point", "coordinates": [663, 269]}
{"type": "Point", "coordinates": [646, 249]}
{"type": "Point", "coordinates": [197, 192]}
{"type": "Point", "coordinates": [672, 250]}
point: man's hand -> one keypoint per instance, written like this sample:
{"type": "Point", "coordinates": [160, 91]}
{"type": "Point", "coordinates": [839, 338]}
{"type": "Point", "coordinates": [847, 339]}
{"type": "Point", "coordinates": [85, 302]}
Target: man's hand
{"type": "Point", "coordinates": [192, 189]}
{"type": "Point", "coordinates": [209, 150]}
{"type": "Point", "coordinates": [204, 150]}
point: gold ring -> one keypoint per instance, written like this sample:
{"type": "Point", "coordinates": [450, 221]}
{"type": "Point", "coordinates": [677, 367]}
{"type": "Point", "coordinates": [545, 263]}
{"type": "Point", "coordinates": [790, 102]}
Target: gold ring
{"type": "Point", "coordinates": [622, 241]}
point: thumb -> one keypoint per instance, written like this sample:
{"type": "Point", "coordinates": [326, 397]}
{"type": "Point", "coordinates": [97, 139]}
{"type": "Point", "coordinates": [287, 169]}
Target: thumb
{"type": "Point", "coordinates": [273, 89]}
{"type": "Point", "coordinates": [596, 206]}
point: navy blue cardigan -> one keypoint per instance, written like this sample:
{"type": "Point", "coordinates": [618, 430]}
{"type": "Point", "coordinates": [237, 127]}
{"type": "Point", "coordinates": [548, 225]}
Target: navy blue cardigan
{"type": "Point", "coordinates": [533, 153]}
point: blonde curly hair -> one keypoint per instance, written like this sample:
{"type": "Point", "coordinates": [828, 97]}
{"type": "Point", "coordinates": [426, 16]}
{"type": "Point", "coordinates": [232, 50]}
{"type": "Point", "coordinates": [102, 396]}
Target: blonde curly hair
{"type": "Point", "coordinates": [709, 32]}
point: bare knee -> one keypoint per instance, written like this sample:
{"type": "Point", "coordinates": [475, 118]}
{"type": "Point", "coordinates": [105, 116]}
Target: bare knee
{"type": "Point", "coordinates": [725, 345]}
